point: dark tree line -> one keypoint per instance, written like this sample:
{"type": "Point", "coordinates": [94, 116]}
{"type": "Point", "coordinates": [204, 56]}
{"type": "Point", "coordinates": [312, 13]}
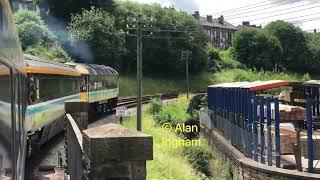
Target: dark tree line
{"type": "Point", "coordinates": [280, 45]}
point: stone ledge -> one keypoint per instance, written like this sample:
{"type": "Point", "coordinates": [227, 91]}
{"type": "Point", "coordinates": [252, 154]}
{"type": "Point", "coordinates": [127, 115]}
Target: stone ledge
{"type": "Point", "coordinates": [113, 142]}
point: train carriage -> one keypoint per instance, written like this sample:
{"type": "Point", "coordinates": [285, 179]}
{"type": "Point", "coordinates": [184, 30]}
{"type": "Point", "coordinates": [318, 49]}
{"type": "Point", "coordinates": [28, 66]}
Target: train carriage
{"type": "Point", "coordinates": [13, 100]}
{"type": "Point", "coordinates": [50, 86]}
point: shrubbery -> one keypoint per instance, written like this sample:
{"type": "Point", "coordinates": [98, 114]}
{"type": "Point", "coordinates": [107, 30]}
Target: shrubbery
{"type": "Point", "coordinates": [219, 60]}
{"type": "Point", "coordinates": [155, 106]}
{"type": "Point", "coordinates": [55, 53]}
{"type": "Point", "coordinates": [174, 113]}
{"type": "Point", "coordinates": [199, 158]}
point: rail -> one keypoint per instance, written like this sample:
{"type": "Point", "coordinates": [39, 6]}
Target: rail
{"type": "Point", "coordinates": [132, 101]}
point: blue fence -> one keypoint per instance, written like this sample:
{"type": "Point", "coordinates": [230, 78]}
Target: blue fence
{"type": "Point", "coordinates": [251, 123]}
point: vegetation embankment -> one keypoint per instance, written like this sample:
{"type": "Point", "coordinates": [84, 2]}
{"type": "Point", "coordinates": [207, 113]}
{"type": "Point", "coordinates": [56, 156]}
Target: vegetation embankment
{"type": "Point", "coordinates": [173, 160]}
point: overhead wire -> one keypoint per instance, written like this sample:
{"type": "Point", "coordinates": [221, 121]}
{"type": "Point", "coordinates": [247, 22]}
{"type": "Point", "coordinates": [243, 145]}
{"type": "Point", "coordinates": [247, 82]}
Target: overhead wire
{"type": "Point", "coordinates": [290, 12]}
{"type": "Point", "coordinates": [268, 12]}
{"type": "Point", "coordinates": [242, 8]}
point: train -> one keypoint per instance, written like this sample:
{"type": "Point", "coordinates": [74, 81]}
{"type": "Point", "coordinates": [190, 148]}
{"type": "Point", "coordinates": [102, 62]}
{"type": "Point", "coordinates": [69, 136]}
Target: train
{"type": "Point", "coordinates": [51, 84]}
{"type": "Point", "coordinates": [13, 98]}
{"type": "Point", "coordinates": [33, 92]}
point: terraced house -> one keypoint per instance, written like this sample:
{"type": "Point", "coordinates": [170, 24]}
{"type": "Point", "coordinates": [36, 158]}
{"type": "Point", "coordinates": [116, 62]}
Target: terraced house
{"type": "Point", "coordinates": [220, 31]}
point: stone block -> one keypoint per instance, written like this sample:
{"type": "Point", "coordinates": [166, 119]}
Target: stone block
{"type": "Point", "coordinates": [79, 112]}
{"type": "Point", "coordinates": [113, 142]}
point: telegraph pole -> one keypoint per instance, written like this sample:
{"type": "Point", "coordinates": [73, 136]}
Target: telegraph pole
{"type": "Point", "coordinates": [141, 25]}
{"type": "Point", "coordinates": [139, 72]}
{"type": "Point", "coordinates": [186, 56]}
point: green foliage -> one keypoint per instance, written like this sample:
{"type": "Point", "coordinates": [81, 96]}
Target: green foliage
{"type": "Point", "coordinates": [199, 157]}
{"type": "Point", "coordinates": [257, 49]}
{"type": "Point", "coordinates": [32, 29]}
{"type": "Point", "coordinates": [313, 44]}
{"type": "Point", "coordinates": [219, 60]}
{"type": "Point", "coordinates": [293, 43]}
{"type": "Point", "coordinates": [174, 113]}
{"type": "Point", "coordinates": [163, 54]}
{"type": "Point", "coordinates": [306, 77]}
{"type": "Point", "coordinates": [55, 53]}
{"type": "Point", "coordinates": [63, 10]}
{"type": "Point", "coordinates": [198, 101]}
{"type": "Point", "coordinates": [155, 106]}
{"type": "Point", "coordinates": [97, 28]}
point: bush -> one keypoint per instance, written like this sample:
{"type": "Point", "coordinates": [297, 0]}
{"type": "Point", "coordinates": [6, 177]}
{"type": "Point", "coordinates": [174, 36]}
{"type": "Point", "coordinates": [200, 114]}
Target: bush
{"type": "Point", "coordinates": [197, 102]}
{"type": "Point", "coordinates": [174, 113]}
{"type": "Point", "coordinates": [198, 157]}
{"type": "Point", "coordinates": [306, 77]}
{"type": "Point", "coordinates": [219, 60]}
{"type": "Point", "coordinates": [55, 53]}
{"type": "Point", "coordinates": [155, 106]}
{"type": "Point", "coordinates": [31, 29]}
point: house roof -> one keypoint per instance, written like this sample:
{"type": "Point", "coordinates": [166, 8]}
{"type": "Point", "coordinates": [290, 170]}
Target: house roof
{"type": "Point", "coordinates": [215, 23]}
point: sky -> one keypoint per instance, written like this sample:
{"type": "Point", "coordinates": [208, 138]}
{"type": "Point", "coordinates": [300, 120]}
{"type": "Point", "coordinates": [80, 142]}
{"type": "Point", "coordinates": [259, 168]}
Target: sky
{"type": "Point", "coordinates": [303, 13]}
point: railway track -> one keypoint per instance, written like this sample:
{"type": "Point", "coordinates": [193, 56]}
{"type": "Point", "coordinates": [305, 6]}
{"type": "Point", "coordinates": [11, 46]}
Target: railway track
{"type": "Point", "coordinates": [132, 101]}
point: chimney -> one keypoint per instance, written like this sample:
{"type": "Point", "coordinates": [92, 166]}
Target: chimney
{"type": "Point", "coordinates": [246, 23]}
{"type": "Point", "coordinates": [196, 15]}
{"type": "Point", "coordinates": [209, 18]}
{"type": "Point", "coordinates": [221, 19]}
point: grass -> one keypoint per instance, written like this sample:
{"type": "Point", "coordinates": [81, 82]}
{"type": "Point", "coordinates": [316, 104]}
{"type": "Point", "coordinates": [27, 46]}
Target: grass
{"type": "Point", "coordinates": [168, 162]}
{"type": "Point", "coordinates": [154, 85]}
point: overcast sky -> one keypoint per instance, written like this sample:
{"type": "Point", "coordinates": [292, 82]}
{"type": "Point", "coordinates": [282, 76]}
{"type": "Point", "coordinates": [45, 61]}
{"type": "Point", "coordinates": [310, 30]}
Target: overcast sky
{"type": "Point", "coordinates": [256, 11]}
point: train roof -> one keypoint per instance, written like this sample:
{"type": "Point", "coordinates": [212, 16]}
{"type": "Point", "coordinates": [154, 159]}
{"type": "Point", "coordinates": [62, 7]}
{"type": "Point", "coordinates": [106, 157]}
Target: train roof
{"type": "Point", "coordinates": [37, 65]}
{"type": "Point", "coordinates": [94, 69]}
{"type": "Point", "coordinates": [253, 86]}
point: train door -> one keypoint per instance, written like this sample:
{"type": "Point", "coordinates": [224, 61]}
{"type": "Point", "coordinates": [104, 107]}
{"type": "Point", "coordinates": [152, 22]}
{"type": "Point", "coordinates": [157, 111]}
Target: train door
{"type": "Point", "coordinates": [84, 88]}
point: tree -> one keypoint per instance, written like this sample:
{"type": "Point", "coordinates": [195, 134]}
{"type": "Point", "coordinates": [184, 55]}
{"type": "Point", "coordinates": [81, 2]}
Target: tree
{"type": "Point", "coordinates": [96, 27]}
{"type": "Point", "coordinates": [36, 38]}
{"type": "Point", "coordinates": [32, 29]}
{"type": "Point", "coordinates": [313, 44]}
{"type": "Point", "coordinates": [163, 53]}
{"type": "Point", "coordinates": [293, 43]}
{"type": "Point", "coordinates": [256, 49]}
